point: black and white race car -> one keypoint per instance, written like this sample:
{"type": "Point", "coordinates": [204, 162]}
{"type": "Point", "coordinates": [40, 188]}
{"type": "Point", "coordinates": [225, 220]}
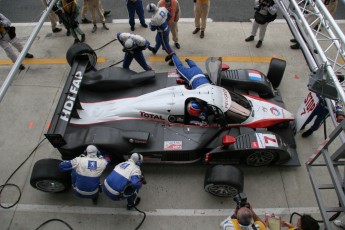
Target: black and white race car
{"type": "Point", "coordinates": [121, 112]}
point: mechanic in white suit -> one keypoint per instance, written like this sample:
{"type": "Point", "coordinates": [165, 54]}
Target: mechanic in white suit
{"type": "Point", "coordinates": [86, 172]}
{"type": "Point", "coordinates": [125, 181]}
{"type": "Point", "coordinates": [133, 46]}
{"type": "Point", "coordinates": [159, 22]}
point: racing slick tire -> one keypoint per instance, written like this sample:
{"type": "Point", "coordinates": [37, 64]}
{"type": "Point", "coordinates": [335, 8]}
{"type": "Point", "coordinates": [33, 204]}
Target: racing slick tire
{"type": "Point", "coordinates": [47, 177]}
{"type": "Point", "coordinates": [261, 158]}
{"type": "Point", "coordinates": [82, 49]}
{"type": "Point", "coordinates": [276, 71]}
{"type": "Point", "coordinates": [223, 180]}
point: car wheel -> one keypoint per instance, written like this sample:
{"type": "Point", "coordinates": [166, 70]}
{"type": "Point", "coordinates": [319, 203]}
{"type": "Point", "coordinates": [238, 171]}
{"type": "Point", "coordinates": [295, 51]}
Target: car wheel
{"type": "Point", "coordinates": [47, 177]}
{"type": "Point", "coordinates": [276, 71]}
{"type": "Point", "coordinates": [261, 158]}
{"type": "Point", "coordinates": [79, 49]}
{"type": "Point", "coordinates": [223, 181]}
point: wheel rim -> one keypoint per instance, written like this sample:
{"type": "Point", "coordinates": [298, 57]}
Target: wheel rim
{"type": "Point", "coordinates": [260, 158]}
{"type": "Point", "coordinates": [222, 190]}
{"type": "Point", "coordinates": [50, 186]}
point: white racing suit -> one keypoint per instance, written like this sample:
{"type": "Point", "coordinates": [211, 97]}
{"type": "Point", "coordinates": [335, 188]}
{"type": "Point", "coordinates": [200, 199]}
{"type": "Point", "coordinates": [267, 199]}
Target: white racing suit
{"type": "Point", "coordinates": [123, 182]}
{"type": "Point", "coordinates": [159, 22]}
{"type": "Point", "coordinates": [86, 174]}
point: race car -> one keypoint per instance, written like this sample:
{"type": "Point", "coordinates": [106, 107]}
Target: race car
{"type": "Point", "coordinates": [122, 112]}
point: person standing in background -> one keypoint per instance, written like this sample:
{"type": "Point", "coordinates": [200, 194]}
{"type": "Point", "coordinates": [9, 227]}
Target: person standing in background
{"type": "Point", "coordinates": [136, 6]}
{"type": "Point", "coordinates": [173, 7]}
{"type": "Point", "coordinates": [201, 9]}
{"type": "Point", "coordinates": [52, 16]}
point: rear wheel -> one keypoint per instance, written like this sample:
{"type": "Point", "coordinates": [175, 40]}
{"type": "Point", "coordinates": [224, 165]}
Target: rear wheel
{"type": "Point", "coordinates": [79, 49]}
{"type": "Point", "coordinates": [47, 177]}
{"type": "Point", "coordinates": [223, 181]}
{"type": "Point", "coordinates": [261, 158]}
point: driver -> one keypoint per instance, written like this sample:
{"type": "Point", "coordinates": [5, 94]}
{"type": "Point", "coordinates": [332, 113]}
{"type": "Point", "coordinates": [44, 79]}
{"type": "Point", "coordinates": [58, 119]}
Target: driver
{"type": "Point", "coordinates": [194, 75]}
{"type": "Point", "coordinates": [197, 113]}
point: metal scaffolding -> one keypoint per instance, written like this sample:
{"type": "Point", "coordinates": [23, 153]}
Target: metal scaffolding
{"type": "Point", "coordinates": [322, 43]}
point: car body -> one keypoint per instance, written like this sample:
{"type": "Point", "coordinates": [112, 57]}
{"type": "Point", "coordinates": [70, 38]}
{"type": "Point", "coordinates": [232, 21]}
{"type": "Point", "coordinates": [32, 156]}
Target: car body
{"type": "Point", "coordinates": [122, 112]}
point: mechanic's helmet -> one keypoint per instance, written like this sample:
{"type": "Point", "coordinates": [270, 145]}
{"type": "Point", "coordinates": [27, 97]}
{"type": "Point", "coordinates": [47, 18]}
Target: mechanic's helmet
{"type": "Point", "coordinates": [129, 43]}
{"type": "Point", "coordinates": [91, 151]}
{"type": "Point", "coordinates": [137, 158]}
{"type": "Point", "coordinates": [139, 40]}
{"type": "Point", "coordinates": [151, 8]}
{"type": "Point", "coordinates": [124, 36]}
{"type": "Point", "coordinates": [194, 108]}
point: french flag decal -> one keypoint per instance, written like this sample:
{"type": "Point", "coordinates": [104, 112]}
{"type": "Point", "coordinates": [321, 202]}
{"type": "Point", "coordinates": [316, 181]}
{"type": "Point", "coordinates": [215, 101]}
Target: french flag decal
{"type": "Point", "coordinates": [254, 75]}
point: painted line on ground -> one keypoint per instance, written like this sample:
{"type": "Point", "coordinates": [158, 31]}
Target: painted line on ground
{"type": "Point", "coordinates": [45, 61]}
{"type": "Point", "coordinates": [157, 212]}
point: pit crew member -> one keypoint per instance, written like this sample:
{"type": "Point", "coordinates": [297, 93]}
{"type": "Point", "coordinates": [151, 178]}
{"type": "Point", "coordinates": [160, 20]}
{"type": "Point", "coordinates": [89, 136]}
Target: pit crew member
{"type": "Point", "coordinates": [86, 172]}
{"type": "Point", "coordinates": [125, 181]}
{"type": "Point", "coordinates": [133, 46]}
{"type": "Point", "coordinates": [159, 22]}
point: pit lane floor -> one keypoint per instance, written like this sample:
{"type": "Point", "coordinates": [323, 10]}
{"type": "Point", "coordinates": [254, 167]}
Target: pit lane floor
{"type": "Point", "coordinates": [173, 197]}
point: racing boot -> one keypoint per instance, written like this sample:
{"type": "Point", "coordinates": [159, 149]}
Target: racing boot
{"type": "Point", "coordinates": [21, 67]}
{"type": "Point", "coordinates": [307, 133]}
{"type": "Point", "coordinates": [29, 55]}
{"type": "Point", "coordinates": [83, 38]}
{"type": "Point", "coordinates": [196, 30]}
{"type": "Point", "coordinates": [259, 44]}
{"type": "Point", "coordinates": [250, 38]}
{"type": "Point", "coordinates": [171, 63]}
{"type": "Point", "coordinates": [137, 201]}
{"type": "Point", "coordinates": [94, 29]}
{"type": "Point", "coordinates": [169, 57]}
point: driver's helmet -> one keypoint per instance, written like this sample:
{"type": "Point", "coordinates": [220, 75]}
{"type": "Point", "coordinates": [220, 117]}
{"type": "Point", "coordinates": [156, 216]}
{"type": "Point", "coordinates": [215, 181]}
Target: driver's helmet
{"type": "Point", "coordinates": [91, 151]}
{"type": "Point", "coordinates": [151, 8]}
{"type": "Point", "coordinates": [194, 108]}
{"type": "Point", "coordinates": [129, 43]}
{"type": "Point", "coordinates": [137, 158]}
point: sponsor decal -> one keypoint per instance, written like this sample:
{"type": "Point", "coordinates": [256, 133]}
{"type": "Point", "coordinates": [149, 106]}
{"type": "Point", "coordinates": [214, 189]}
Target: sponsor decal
{"type": "Point", "coordinates": [172, 145]}
{"type": "Point", "coordinates": [72, 94]}
{"type": "Point", "coordinates": [275, 111]}
{"type": "Point", "coordinates": [92, 165]}
{"type": "Point", "coordinates": [226, 98]}
{"type": "Point", "coordinates": [264, 109]}
{"type": "Point", "coordinates": [266, 140]}
{"type": "Point", "coordinates": [254, 75]}
{"type": "Point", "coordinates": [173, 74]}
{"type": "Point", "coordinates": [309, 104]}
{"type": "Point", "coordinates": [254, 145]}
{"type": "Point", "coordinates": [150, 115]}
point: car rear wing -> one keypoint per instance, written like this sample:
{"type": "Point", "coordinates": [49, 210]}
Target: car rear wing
{"type": "Point", "coordinates": [68, 102]}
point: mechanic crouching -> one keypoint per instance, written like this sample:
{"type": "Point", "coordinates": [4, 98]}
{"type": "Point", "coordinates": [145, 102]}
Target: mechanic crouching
{"type": "Point", "coordinates": [125, 181]}
{"type": "Point", "coordinates": [86, 172]}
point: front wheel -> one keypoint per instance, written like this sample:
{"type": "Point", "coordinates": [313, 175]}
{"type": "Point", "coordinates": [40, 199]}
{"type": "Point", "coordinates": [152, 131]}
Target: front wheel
{"type": "Point", "coordinates": [47, 177]}
{"type": "Point", "coordinates": [260, 158]}
{"type": "Point", "coordinates": [223, 181]}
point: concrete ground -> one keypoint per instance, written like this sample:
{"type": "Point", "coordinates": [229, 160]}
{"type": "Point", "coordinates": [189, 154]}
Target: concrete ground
{"type": "Point", "coordinates": [173, 197]}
